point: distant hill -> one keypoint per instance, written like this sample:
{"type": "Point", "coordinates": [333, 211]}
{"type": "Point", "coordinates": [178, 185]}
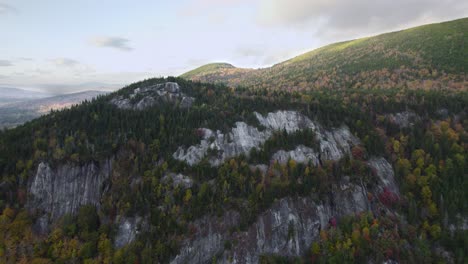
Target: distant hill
{"type": "Point", "coordinates": [430, 57]}
{"type": "Point", "coordinates": [17, 113]}
{"type": "Point", "coordinates": [208, 68]}
{"type": "Point", "coordinates": [10, 95]}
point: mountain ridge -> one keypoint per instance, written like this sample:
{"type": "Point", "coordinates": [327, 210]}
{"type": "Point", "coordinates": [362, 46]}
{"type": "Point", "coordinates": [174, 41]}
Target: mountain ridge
{"type": "Point", "coordinates": [406, 58]}
{"type": "Point", "coordinates": [18, 112]}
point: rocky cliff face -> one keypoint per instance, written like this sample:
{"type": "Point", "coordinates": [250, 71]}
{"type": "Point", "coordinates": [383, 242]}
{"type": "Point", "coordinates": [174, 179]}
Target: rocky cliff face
{"type": "Point", "coordinates": [334, 144]}
{"type": "Point", "coordinates": [209, 240]}
{"type": "Point", "coordinates": [241, 139]}
{"type": "Point", "coordinates": [290, 225]}
{"type": "Point", "coordinates": [288, 228]}
{"type": "Point", "coordinates": [145, 97]}
{"type": "Point", "coordinates": [62, 190]}
{"type": "Point", "coordinates": [385, 173]}
{"type": "Point", "coordinates": [290, 121]}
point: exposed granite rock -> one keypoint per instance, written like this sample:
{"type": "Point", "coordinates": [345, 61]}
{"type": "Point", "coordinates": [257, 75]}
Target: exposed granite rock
{"type": "Point", "coordinates": [209, 241]}
{"type": "Point", "coordinates": [186, 102]}
{"type": "Point", "coordinates": [287, 228]}
{"type": "Point", "coordinates": [334, 144]}
{"type": "Point", "coordinates": [385, 173]}
{"type": "Point", "coordinates": [241, 139]}
{"type": "Point", "coordinates": [404, 119]}
{"type": "Point", "coordinates": [178, 180]}
{"type": "Point", "coordinates": [290, 121]}
{"type": "Point", "coordinates": [145, 97]}
{"type": "Point", "coordinates": [128, 229]}
{"type": "Point", "coordinates": [64, 189]}
{"type": "Point", "coordinates": [349, 199]}
{"type": "Point", "coordinates": [301, 154]}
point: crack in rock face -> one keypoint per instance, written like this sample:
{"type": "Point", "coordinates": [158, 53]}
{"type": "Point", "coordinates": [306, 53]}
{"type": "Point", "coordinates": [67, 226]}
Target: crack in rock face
{"type": "Point", "coordinates": [146, 97]}
{"type": "Point", "coordinates": [334, 144]}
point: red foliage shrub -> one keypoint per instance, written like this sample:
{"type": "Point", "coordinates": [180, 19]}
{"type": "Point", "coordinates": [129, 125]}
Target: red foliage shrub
{"type": "Point", "coordinates": [388, 198]}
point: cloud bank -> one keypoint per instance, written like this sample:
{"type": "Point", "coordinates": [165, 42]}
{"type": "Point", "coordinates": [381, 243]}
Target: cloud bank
{"type": "Point", "coordinates": [344, 16]}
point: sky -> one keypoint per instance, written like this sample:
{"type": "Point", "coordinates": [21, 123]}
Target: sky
{"type": "Point", "coordinates": [63, 46]}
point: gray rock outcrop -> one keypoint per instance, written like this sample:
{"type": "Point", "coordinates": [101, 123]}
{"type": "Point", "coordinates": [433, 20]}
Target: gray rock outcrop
{"type": "Point", "coordinates": [62, 190]}
{"type": "Point", "coordinates": [290, 121]}
{"type": "Point", "coordinates": [241, 139]}
{"type": "Point", "coordinates": [127, 230]}
{"type": "Point", "coordinates": [145, 97]}
{"type": "Point", "coordinates": [385, 173]}
{"type": "Point", "coordinates": [334, 144]}
{"type": "Point", "coordinates": [404, 119]}
{"type": "Point", "coordinates": [178, 179]}
{"type": "Point", "coordinates": [301, 154]}
{"type": "Point", "coordinates": [288, 228]}
{"type": "Point", "coordinates": [209, 241]}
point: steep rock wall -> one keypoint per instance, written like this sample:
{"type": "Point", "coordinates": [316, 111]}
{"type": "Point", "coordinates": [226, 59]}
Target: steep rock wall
{"type": "Point", "coordinates": [62, 190]}
{"type": "Point", "coordinates": [287, 228]}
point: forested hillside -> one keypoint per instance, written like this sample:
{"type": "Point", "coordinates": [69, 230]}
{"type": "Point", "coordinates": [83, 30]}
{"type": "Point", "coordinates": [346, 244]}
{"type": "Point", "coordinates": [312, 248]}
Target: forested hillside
{"type": "Point", "coordinates": [144, 176]}
{"type": "Point", "coordinates": [427, 57]}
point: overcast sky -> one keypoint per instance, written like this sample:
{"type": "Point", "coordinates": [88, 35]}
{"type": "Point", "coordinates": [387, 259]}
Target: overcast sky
{"type": "Point", "coordinates": [64, 46]}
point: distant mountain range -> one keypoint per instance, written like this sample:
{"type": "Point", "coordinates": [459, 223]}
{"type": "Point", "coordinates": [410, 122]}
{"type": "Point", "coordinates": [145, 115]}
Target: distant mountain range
{"type": "Point", "coordinates": [427, 57]}
{"type": "Point", "coordinates": [18, 110]}
{"type": "Point", "coordinates": [10, 95]}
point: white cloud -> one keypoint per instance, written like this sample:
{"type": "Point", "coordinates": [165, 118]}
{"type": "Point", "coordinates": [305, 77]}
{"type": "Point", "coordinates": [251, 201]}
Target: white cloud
{"type": "Point", "coordinates": [7, 9]}
{"type": "Point", "coordinates": [335, 17]}
{"type": "Point", "coordinates": [112, 42]}
{"type": "Point", "coordinates": [5, 63]}
{"type": "Point", "coordinates": [65, 62]}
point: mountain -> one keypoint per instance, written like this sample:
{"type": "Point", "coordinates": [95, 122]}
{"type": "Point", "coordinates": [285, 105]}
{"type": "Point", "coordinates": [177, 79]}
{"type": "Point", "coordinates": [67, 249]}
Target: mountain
{"type": "Point", "coordinates": [175, 171]}
{"type": "Point", "coordinates": [430, 57]}
{"type": "Point", "coordinates": [16, 113]}
{"type": "Point", "coordinates": [10, 95]}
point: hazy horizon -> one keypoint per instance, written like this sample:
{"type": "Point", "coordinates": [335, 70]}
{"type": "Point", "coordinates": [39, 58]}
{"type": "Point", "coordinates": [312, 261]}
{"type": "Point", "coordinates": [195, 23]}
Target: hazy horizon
{"type": "Point", "coordinates": [60, 47]}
